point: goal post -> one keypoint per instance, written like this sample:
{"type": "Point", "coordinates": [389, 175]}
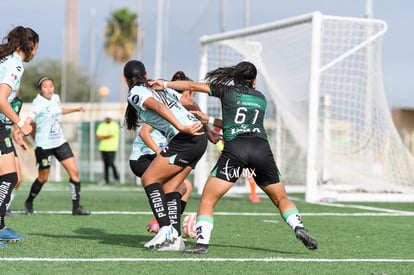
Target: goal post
{"type": "Point", "coordinates": [328, 120]}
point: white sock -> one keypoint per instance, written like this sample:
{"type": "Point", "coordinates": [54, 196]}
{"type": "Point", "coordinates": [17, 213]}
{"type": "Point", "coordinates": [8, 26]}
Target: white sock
{"type": "Point", "coordinates": [204, 227]}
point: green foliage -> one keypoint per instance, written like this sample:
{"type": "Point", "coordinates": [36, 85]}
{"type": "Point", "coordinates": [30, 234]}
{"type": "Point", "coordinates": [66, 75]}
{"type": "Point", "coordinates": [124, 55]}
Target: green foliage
{"type": "Point", "coordinates": [78, 86]}
{"type": "Point", "coordinates": [121, 35]}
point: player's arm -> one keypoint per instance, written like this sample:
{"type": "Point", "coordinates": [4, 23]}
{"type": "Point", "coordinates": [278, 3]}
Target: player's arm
{"type": "Point", "coordinates": [156, 106]}
{"type": "Point", "coordinates": [206, 119]}
{"type": "Point", "coordinates": [145, 134]}
{"type": "Point", "coordinates": [7, 110]}
{"type": "Point", "coordinates": [181, 85]}
{"type": "Point", "coordinates": [72, 110]}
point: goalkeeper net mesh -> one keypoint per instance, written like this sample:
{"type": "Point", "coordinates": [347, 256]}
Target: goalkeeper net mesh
{"type": "Point", "coordinates": [327, 120]}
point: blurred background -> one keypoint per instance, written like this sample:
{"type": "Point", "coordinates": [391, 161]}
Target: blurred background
{"type": "Point", "coordinates": [84, 44]}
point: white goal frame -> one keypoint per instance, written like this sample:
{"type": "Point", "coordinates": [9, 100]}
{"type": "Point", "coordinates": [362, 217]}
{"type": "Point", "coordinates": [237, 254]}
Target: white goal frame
{"type": "Point", "coordinates": [369, 175]}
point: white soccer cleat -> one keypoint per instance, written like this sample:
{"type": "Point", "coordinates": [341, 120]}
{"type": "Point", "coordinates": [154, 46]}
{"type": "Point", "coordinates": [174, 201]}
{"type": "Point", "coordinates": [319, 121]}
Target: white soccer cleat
{"type": "Point", "coordinates": [166, 233]}
{"type": "Point", "coordinates": [177, 245]}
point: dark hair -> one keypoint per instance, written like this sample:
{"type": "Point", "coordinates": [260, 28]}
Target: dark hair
{"type": "Point", "coordinates": [21, 38]}
{"type": "Point", "coordinates": [40, 81]}
{"type": "Point", "coordinates": [134, 73]}
{"type": "Point", "coordinates": [180, 75]}
{"type": "Point", "coordinates": [243, 73]}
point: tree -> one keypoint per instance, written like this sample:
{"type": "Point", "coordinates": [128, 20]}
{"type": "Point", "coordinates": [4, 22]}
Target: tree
{"type": "Point", "coordinates": [80, 87]}
{"type": "Point", "coordinates": [121, 35]}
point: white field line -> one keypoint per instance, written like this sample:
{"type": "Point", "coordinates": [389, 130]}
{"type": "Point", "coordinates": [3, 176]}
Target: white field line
{"type": "Point", "coordinates": [355, 260]}
{"type": "Point", "coordinates": [365, 214]}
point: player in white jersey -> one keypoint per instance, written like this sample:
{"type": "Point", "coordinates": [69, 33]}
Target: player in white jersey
{"type": "Point", "coordinates": [46, 114]}
{"type": "Point", "coordinates": [147, 144]}
{"type": "Point", "coordinates": [186, 144]}
{"type": "Point", "coordinates": [20, 45]}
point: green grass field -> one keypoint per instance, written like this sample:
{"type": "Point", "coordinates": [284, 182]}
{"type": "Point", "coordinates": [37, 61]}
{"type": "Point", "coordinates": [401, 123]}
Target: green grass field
{"type": "Point", "coordinates": [357, 238]}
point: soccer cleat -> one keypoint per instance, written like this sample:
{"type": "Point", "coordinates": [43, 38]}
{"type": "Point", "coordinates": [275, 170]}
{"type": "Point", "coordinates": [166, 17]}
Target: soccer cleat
{"type": "Point", "coordinates": [254, 198]}
{"type": "Point", "coordinates": [80, 211]}
{"type": "Point", "coordinates": [176, 245]}
{"type": "Point", "coordinates": [166, 233]}
{"type": "Point", "coordinates": [8, 235]}
{"type": "Point", "coordinates": [153, 226]}
{"type": "Point", "coordinates": [28, 206]}
{"type": "Point", "coordinates": [197, 249]}
{"type": "Point", "coordinates": [2, 244]}
{"type": "Point", "coordinates": [303, 236]}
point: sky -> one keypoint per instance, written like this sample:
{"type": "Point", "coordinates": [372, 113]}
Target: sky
{"type": "Point", "coordinates": [188, 20]}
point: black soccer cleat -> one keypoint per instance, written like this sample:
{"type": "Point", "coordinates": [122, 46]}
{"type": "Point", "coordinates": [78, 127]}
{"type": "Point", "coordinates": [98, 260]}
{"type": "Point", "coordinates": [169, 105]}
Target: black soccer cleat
{"type": "Point", "coordinates": [28, 207]}
{"type": "Point", "coordinates": [303, 236]}
{"type": "Point", "coordinates": [197, 249]}
{"type": "Point", "coordinates": [80, 211]}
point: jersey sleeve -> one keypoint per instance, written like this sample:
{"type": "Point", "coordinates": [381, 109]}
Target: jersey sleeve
{"type": "Point", "coordinates": [138, 95]}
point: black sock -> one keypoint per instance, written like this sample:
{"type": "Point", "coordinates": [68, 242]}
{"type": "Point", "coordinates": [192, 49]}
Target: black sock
{"type": "Point", "coordinates": [183, 205]}
{"type": "Point", "coordinates": [7, 182]}
{"type": "Point", "coordinates": [34, 190]}
{"type": "Point", "coordinates": [157, 201]}
{"type": "Point", "coordinates": [174, 210]}
{"type": "Point", "coordinates": [75, 189]}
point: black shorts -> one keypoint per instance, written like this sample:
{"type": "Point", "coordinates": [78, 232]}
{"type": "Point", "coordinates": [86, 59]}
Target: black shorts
{"type": "Point", "coordinates": [6, 143]}
{"type": "Point", "coordinates": [247, 153]}
{"type": "Point", "coordinates": [185, 150]}
{"type": "Point", "coordinates": [139, 166]}
{"type": "Point", "coordinates": [44, 156]}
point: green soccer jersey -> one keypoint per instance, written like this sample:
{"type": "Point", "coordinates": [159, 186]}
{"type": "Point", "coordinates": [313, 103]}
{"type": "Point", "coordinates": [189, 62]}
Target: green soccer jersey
{"type": "Point", "coordinates": [243, 110]}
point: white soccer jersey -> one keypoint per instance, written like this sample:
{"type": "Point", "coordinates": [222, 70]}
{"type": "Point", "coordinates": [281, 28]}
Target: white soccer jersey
{"type": "Point", "coordinates": [11, 71]}
{"type": "Point", "coordinates": [170, 98]}
{"type": "Point", "coordinates": [139, 147]}
{"type": "Point", "coordinates": [47, 115]}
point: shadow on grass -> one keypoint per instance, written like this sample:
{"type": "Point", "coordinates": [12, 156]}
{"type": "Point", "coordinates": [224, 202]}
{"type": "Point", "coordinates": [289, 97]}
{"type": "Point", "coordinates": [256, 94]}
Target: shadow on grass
{"type": "Point", "coordinates": [103, 237]}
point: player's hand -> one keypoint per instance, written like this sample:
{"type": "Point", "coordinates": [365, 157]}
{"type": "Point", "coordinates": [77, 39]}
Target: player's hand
{"type": "Point", "coordinates": [212, 135]}
{"type": "Point", "coordinates": [81, 109]}
{"type": "Point", "coordinates": [193, 129]}
{"type": "Point", "coordinates": [156, 84]}
{"type": "Point", "coordinates": [201, 116]}
{"type": "Point", "coordinates": [26, 129]}
{"type": "Point", "coordinates": [19, 140]}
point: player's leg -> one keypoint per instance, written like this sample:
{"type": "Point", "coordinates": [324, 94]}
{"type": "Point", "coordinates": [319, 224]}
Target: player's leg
{"type": "Point", "coordinates": [43, 158]}
{"type": "Point", "coordinates": [213, 191]}
{"type": "Point", "coordinates": [65, 155]}
{"type": "Point", "coordinates": [16, 187]}
{"type": "Point", "coordinates": [254, 198]}
{"type": "Point", "coordinates": [8, 179]}
{"type": "Point", "coordinates": [290, 213]}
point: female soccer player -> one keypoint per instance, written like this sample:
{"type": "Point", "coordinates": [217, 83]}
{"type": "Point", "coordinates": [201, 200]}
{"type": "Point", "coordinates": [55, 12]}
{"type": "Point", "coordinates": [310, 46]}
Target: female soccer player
{"type": "Point", "coordinates": [46, 113]}
{"type": "Point", "coordinates": [20, 46]}
{"type": "Point", "coordinates": [246, 147]}
{"type": "Point", "coordinates": [186, 144]}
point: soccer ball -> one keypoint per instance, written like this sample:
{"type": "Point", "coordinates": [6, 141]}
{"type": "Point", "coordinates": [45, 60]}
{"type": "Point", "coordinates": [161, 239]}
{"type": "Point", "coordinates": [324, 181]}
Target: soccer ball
{"type": "Point", "coordinates": [188, 226]}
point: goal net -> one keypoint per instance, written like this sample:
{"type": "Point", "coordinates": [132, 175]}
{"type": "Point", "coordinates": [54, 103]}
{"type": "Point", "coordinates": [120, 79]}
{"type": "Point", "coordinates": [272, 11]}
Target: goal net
{"type": "Point", "coordinates": [328, 120]}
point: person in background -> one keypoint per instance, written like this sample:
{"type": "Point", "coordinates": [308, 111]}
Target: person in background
{"type": "Point", "coordinates": [20, 45]}
{"type": "Point", "coordinates": [108, 135]}
{"type": "Point", "coordinates": [246, 147]}
{"type": "Point", "coordinates": [46, 113]}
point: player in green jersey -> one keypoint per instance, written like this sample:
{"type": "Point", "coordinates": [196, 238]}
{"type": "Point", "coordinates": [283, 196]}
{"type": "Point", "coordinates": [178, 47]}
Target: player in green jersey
{"type": "Point", "coordinates": [246, 148]}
